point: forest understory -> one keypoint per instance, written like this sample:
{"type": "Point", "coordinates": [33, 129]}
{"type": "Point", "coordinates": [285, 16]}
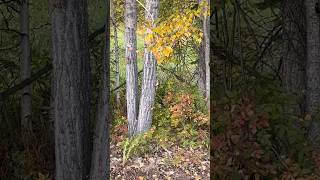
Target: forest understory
{"type": "Point", "coordinates": [173, 162]}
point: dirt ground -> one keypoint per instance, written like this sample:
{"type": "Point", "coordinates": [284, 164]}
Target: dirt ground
{"type": "Point", "coordinates": [173, 163]}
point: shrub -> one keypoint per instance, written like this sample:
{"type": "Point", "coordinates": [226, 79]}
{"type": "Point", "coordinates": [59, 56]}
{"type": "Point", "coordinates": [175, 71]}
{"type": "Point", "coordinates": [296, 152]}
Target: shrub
{"type": "Point", "coordinates": [247, 142]}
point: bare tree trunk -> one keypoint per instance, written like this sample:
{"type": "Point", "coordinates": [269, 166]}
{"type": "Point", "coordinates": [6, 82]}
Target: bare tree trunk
{"type": "Point", "coordinates": [202, 71]}
{"type": "Point", "coordinates": [132, 68]}
{"type": "Point", "coordinates": [149, 75]}
{"type": "Point", "coordinates": [294, 53]}
{"type": "Point", "coordinates": [100, 165]}
{"type": "Point", "coordinates": [206, 44]}
{"type": "Point", "coordinates": [313, 68]}
{"type": "Point", "coordinates": [25, 66]}
{"type": "Point", "coordinates": [71, 72]}
{"type": "Point", "coordinates": [116, 50]}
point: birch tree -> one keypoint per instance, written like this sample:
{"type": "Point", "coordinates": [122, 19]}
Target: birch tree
{"type": "Point", "coordinates": [149, 74]}
{"type": "Point", "coordinates": [206, 47]}
{"type": "Point", "coordinates": [131, 64]}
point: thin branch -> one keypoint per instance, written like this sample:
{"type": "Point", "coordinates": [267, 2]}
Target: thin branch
{"type": "Point", "coordinates": [43, 71]}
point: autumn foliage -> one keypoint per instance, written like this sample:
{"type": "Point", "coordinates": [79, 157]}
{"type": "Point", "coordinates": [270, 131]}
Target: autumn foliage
{"type": "Point", "coordinates": [178, 29]}
{"type": "Point", "coordinates": [244, 145]}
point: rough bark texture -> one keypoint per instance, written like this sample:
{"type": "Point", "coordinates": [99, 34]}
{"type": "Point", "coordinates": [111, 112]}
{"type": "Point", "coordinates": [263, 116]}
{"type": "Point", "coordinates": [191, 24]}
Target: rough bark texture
{"type": "Point", "coordinates": [71, 73]}
{"type": "Point", "coordinates": [313, 67]}
{"type": "Point", "coordinates": [116, 51]}
{"type": "Point", "coordinates": [132, 68]}
{"type": "Point", "coordinates": [149, 75]}
{"type": "Point", "coordinates": [100, 165]}
{"type": "Point", "coordinates": [294, 53]}
{"type": "Point", "coordinates": [206, 44]}
{"type": "Point", "coordinates": [25, 66]}
{"type": "Point", "coordinates": [202, 71]}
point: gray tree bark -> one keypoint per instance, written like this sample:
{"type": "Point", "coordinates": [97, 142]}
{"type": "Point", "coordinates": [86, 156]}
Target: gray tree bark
{"type": "Point", "coordinates": [25, 66]}
{"type": "Point", "coordinates": [116, 51]}
{"type": "Point", "coordinates": [131, 67]}
{"type": "Point", "coordinates": [201, 68]}
{"type": "Point", "coordinates": [71, 71]}
{"type": "Point", "coordinates": [100, 165]}
{"type": "Point", "coordinates": [313, 68]}
{"type": "Point", "coordinates": [294, 53]}
{"type": "Point", "coordinates": [206, 44]}
{"type": "Point", "coordinates": [149, 75]}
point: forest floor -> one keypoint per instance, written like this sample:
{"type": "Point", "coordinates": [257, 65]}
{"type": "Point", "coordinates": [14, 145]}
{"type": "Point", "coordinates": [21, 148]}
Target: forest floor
{"type": "Point", "coordinates": [173, 162]}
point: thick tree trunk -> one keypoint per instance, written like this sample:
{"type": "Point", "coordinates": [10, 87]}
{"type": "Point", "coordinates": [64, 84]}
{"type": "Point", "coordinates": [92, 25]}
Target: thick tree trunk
{"type": "Point", "coordinates": [206, 44]}
{"type": "Point", "coordinates": [313, 67]}
{"type": "Point", "coordinates": [100, 165]}
{"type": "Point", "coordinates": [25, 66]}
{"type": "Point", "coordinates": [116, 51]}
{"type": "Point", "coordinates": [132, 68]}
{"type": "Point", "coordinates": [71, 71]}
{"type": "Point", "coordinates": [149, 75]}
{"type": "Point", "coordinates": [294, 53]}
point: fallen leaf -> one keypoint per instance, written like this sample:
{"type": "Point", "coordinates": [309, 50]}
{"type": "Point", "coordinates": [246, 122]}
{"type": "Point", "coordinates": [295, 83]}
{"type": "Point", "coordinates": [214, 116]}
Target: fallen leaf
{"type": "Point", "coordinates": [140, 178]}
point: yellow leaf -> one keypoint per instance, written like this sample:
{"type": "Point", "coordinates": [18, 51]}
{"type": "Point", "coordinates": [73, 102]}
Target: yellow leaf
{"type": "Point", "coordinates": [167, 51]}
{"type": "Point", "coordinates": [148, 39]}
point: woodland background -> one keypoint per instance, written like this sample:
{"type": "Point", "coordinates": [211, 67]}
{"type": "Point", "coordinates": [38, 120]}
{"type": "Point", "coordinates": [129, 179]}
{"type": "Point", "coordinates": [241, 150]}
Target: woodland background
{"type": "Point", "coordinates": [264, 99]}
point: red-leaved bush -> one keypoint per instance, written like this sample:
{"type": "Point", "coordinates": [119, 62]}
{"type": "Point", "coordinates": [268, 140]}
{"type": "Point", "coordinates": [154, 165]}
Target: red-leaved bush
{"type": "Point", "coordinates": [244, 146]}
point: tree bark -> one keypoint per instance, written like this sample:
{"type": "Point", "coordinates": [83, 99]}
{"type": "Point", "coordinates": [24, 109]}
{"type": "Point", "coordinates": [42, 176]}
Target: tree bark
{"type": "Point", "coordinates": [131, 67]}
{"type": "Point", "coordinates": [116, 51]}
{"type": "Point", "coordinates": [71, 72]}
{"type": "Point", "coordinates": [149, 75]}
{"type": "Point", "coordinates": [294, 53]}
{"type": "Point", "coordinates": [100, 165]}
{"type": "Point", "coordinates": [313, 68]}
{"type": "Point", "coordinates": [206, 44]}
{"type": "Point", "coordinates": [202, 71]}
{"type": "Point", "coordinates": [25, 66]}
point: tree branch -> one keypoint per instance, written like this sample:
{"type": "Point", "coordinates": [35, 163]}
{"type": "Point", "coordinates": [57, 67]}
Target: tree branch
{"type": "Point", "coordinates": [43, 71]}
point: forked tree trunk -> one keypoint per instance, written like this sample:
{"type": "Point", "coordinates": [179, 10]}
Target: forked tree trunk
{"type": "Point", "coordinates": [100, 164]}
{"type": "Point", "coordinates": [294, 53]}
{"type": "Point", "coordinates": [132, 68]}
{"type": "Point", "coordinates": [149, 75]}
{"type": "Point", "coordinates": [313, 68]}
{"type": "Point", "coordinates": [25, 66]}
{"type": "Point", "coordinates": [71, 71]}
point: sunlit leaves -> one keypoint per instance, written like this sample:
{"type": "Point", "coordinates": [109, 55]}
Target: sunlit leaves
{"type": "Point", "coordinates": [167, 51]}
{"type": "Point", "coordinates": [179, 28]}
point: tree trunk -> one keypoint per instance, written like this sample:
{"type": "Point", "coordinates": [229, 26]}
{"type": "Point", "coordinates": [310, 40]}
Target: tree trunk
{"type": "Point", "coordinates": [206, 44]}
{"type": "Point", "coordinates": [149, 75]}
{"type": "Point", "coordinates": [294, 53]}
{"type": "Point", "coordinates": [313, 68]}
{"type": "Point", "coordinates": [202, 71]}
{"type": "Point", "coordinates": [71, 72]}
{"type": "Point", "coordinates": [25, 66]}
{"type": "Point", "coordinates": [116, 51]}
{"type": "Point", "coordinates": [100, 165]}
{"type": "Point", "coordinates": [132, 68]}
